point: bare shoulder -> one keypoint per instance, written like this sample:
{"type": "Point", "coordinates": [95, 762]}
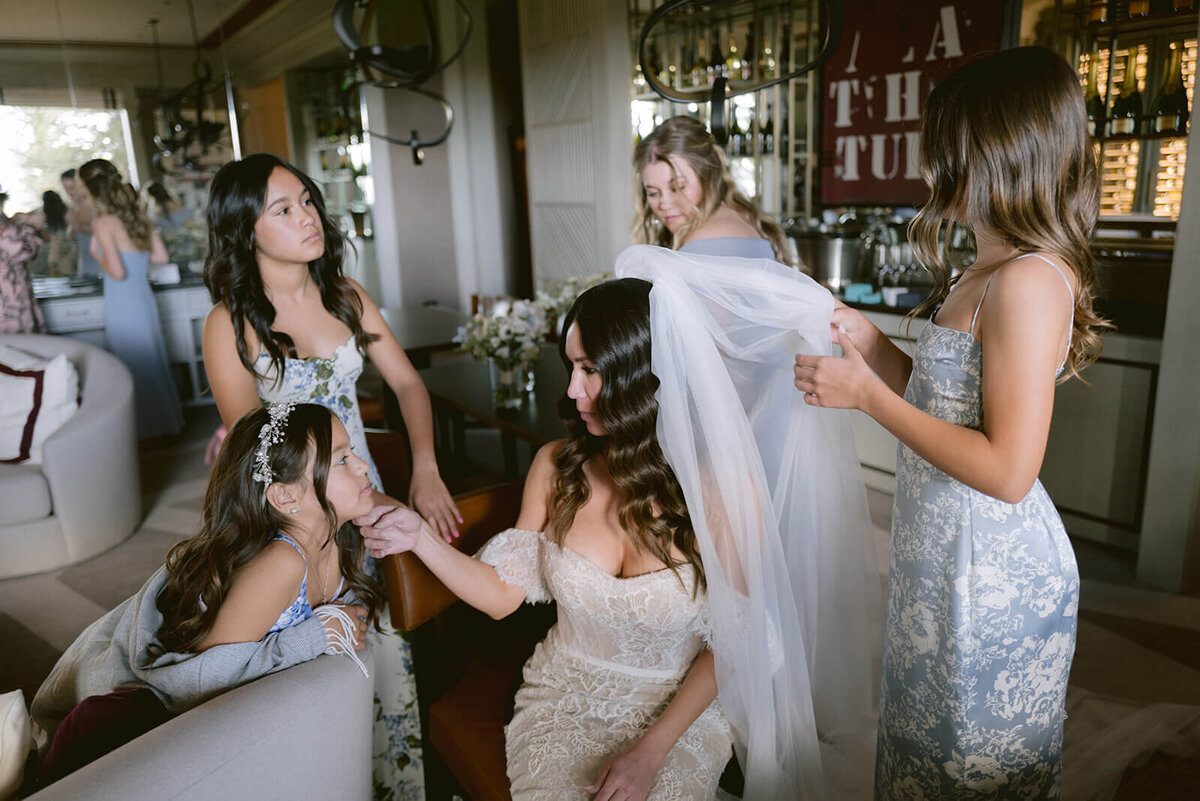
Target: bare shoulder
{"type": "Point", "coordinates": [725, 222]}
{"type": "Point", "coordinates": [278, 569]}
{"type": "Point", "coordinates": [1034, 280]}
{"type": "Point", "coordinates": [545, 461]}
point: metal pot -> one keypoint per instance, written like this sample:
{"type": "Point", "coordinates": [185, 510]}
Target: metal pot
{"type": "Point", "coordinates": [835, 257]}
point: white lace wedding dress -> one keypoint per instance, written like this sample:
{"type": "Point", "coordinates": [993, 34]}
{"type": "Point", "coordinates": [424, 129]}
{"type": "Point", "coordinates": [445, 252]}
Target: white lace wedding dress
{"type": "Point", "coordinates": [604, 673]}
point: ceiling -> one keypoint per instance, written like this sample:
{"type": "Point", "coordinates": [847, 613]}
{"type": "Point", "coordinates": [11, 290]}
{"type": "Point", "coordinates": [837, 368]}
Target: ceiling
{"type": "Point", "coordinates": [119, 21]}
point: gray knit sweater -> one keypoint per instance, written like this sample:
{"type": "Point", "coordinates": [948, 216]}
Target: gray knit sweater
{"type": "Point", "coordinates": [112, 654]}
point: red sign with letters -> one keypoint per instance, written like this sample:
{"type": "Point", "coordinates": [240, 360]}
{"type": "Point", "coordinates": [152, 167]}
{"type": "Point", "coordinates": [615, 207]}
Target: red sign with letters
{"type": "Point", "coordinates": [875, 88]}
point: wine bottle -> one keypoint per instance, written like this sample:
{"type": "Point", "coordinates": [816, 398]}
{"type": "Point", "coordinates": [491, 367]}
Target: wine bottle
{"type": "Point", "coordinates": [1127, 108]}
{"type": "Point", "coordinates": [733, 62]}
{"type": "Point", "coordinates": [747, 63]}
{"type": "Point", "coordinates": [1171, 107]}
{"type": "Point", "coordinates": [737, 138]}
{"type": "Point", "coordinates": [1093, 101]}
{"type": "Point", "coordinates": [700, 64]}
{"type": "Point", "coordinates": [766, 131]}
{"type": "Point", "coordinates": [766, 60]}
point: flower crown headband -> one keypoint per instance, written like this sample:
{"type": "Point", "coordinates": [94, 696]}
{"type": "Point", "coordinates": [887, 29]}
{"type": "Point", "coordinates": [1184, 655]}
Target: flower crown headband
{"type": "Point", "coordinates": [270, 434]}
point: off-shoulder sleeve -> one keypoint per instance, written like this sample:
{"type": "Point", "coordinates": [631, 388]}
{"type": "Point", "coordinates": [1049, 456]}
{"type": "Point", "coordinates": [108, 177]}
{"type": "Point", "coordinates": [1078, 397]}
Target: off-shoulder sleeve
{"type": "Point", "coordinates": [516, 556]}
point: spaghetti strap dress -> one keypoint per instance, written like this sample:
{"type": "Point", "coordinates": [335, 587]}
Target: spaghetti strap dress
{"type": "Point", "coordinates": [981, 614]}
{"type": "Point", "coordinates": [134, 333]}
{"type": "Point", "coordinates": [397, 765]}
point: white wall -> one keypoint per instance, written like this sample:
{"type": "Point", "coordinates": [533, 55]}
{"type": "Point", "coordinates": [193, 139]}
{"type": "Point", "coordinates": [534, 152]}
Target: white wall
{"type": "Point", "coordinates": [575, 67]}
{"type": "Point", "coordinates": [1171, 527]}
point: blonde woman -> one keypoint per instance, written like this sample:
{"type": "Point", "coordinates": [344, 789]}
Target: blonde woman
{"type": "Point", "coordinates": [686, 199]}
{"type": "Point", "coordinates": [125, 244]}
{"type": "Point", "coordinates": [983, 588]}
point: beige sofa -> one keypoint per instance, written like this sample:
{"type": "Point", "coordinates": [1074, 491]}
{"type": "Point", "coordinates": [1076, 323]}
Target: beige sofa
{"type": "Point", "coordinates": [85, 497]}
{"type": "Point", "coordinates": [304, 732]}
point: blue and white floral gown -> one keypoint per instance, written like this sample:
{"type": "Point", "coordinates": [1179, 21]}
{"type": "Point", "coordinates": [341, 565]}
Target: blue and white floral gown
{"type": "Point", "coordinates": [981, 615]}
{"type": "Point", "coordinates": [397, 764]}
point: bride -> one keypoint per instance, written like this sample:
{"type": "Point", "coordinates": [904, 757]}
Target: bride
{"type": "Point", "coordinates": [704, 535]}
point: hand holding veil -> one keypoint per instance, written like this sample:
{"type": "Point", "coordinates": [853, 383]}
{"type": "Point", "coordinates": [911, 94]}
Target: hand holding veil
{"type": "Point", "coordinates": [777, 502]}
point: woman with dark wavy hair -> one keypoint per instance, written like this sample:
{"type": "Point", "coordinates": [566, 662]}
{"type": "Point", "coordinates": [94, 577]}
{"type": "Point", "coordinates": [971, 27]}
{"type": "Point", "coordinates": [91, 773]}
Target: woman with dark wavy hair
{"type": "Point", "coordinates": [126, 244]}
{"type": "Point", "coordinates": [273, 577]}
{"type": "Point", "coordinates": [288, 325]}
{"type": "Point", "coordinates": [706, 540]}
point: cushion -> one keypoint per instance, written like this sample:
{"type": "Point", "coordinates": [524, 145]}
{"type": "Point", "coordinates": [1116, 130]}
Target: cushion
{"type": "Point", "coordinates": [24, 495]}
{"type": "Point", "coordinates": [15, 740]}
{"type": "Point", "coordinates": [99, 724]}
{"type": "Point", "coordinates": [37, 396]}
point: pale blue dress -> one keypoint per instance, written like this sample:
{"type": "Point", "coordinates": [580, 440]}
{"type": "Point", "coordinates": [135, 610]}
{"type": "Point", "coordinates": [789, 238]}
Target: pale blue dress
{"type": "Point", "coordinates": [134, 334]}
{"type": "Point", "coordinates": [741, 247]}
{"type": "Point", "coordinates": [86, 266]}
{"type": "Point", "coordinates": [398, 772]}
{"type": "Point", "coordinates": [981, 615]}
{"type": "Point", "coordinates": [300, 609]}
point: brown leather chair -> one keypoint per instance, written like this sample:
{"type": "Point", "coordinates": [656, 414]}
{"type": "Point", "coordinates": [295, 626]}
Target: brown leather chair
{"type": "Point", "coordinates": [467, 666]}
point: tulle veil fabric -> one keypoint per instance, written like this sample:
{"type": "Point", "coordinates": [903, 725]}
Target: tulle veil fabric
{"type": "Point", "coordinates": [776, 497]}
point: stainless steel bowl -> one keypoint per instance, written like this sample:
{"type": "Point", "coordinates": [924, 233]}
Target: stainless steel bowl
{"type": "Point", "coordinates": [835, 258]}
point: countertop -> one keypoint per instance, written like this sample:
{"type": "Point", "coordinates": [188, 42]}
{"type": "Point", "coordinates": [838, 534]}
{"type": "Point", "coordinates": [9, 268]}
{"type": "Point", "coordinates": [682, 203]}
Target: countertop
{"type": "Point", "coordinates": [51, 289]}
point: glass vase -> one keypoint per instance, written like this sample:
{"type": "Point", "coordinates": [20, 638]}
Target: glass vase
{"type": "Point", "coordinates": [510, 383]}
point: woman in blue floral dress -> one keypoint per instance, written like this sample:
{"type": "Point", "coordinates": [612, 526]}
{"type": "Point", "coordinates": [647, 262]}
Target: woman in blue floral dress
{"type": "Point", "coordinates": [983, 588]}
{"type": "Point", "coordinates": [287, 325]}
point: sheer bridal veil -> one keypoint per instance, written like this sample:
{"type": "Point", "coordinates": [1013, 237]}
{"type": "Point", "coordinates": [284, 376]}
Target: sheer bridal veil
{"type": "Point", "coordinates": [775, 493]}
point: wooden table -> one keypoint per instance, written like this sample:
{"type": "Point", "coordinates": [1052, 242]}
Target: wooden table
{"type": "Point", "coordinates": [463, 390]}
{"type": "Point", "coordinates": [421, 331]}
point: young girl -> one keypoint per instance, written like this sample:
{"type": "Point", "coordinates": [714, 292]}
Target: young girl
{"type": "Point", "coordinates": [236, 601]}
{"type": "Point", "coordinates": [686, 199]}
{"type": "Point", "coordinates": [125, 244]}
{"type": "Point", "coordinates": [983, 589]}
{"type": "Point", "coordinates": [287, 325]}
{"type": "Point", "coordinates": [274, 270]}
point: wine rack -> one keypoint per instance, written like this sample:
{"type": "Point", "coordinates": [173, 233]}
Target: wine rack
{"type": "Point", "coordinates": [1141, 171]}
{"type": "Point", "coordinates": [772, 143]}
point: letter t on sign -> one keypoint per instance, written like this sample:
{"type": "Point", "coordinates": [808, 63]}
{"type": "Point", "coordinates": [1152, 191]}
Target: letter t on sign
{"type": "Point", "coordinates": [843, 92]}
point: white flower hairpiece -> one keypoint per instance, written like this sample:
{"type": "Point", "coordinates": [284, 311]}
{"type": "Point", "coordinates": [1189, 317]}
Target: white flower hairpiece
{"type": "Point", "coordinates": [270, 434]}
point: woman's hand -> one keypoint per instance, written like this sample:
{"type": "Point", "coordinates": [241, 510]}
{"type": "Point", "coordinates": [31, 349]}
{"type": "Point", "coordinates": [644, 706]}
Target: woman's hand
{"type": "Point", "coordinates": [833, 382]}
{"type": "Point", "coordinates": [429, 496]}
{"type": "Point", "coordinates": [852, 321]}
{"type": "Point", "coordinates": [358, 632]}
{"type": "Point", "coordinates": [627, 776]}
{"type": "Point", "coordinates": [390, 529]}
{"type": "Point", "coordinates": [213, 449]}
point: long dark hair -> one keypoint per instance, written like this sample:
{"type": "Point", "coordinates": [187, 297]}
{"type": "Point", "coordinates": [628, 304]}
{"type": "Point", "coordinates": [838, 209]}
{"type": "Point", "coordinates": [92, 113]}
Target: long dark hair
{"type": "Point", "coordinates": [55, 211]}
{"type": "Point", "coordinates": [613, 320]}
{"type": "Point", "coordinates": [236, 199]}
{"type": "Point", "coordinates": [238, 524]}
{"type": "Point", "coordinates": [1004, 145]}
{"type": "Point", "coordinates": [114, 196]}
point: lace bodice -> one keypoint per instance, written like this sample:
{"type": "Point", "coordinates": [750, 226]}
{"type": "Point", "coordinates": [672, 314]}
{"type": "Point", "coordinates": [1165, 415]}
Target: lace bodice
{"type": "Point", "coordinates": [648, 625]}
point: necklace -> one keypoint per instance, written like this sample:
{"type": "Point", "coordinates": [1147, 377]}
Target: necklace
{"type": "Point", "coordinates": [324, 577]}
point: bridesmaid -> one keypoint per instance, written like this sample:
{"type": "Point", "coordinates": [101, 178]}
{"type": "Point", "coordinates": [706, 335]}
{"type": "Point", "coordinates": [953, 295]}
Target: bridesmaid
{"type": "Point", "coordinates": [983, 587]}
{"type": "Point", "coordinates": [686, 199]}
{"type": "Point", "coordinates": [124, 244]}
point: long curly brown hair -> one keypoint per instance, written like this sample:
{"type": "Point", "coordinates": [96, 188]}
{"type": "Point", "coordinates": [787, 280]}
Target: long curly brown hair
{"type": "Point", "coordinates": [114, 196]}
{"type": "Point", "coordinates": [1004, 145]}
{"type": "Point", "coordinates": [238, 524]}
{"type": "Point", "coordinates": [236, 200]}
{"type": "Point", "coordinates": [613, 320]}
{"type": "Point", "coordinates": [688, 139]}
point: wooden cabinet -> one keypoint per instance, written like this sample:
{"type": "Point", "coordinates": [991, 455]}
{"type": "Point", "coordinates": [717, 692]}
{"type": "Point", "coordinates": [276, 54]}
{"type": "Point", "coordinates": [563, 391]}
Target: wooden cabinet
{"type": "Point", "coordinates": [181, 310]}
{"type": "Point", "coordinates": [1097, 453]}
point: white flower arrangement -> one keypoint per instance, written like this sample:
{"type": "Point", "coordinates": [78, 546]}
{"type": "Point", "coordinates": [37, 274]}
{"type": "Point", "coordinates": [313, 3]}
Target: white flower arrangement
{"type": "Point", "coordinates": [511, 335]}
{"type": "Point", "coordinates": [557, 297]}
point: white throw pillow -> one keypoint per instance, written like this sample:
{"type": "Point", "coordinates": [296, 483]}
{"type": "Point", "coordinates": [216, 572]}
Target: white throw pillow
{"type": "Point", "coordinates": [37, 396]}
{"type": "Point", "coordinates": [15, 740]}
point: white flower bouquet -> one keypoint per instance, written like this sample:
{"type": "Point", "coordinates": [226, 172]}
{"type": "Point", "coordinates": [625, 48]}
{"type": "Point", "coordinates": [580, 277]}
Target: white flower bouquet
{"type": "Point", "coordinates": [557, 297]}
{"type": "Point", "coordinates": [511, 337]}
